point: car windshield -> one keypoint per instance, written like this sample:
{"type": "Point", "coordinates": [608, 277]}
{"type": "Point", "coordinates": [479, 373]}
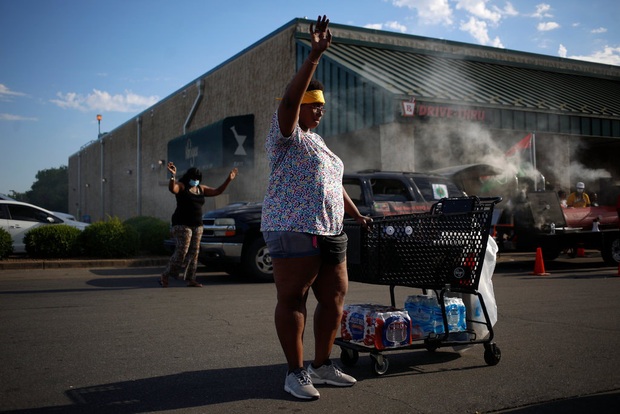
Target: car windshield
{"type": "Point", "coordinates": [386, 189]}
{"type": "Point", "coordinates": [436, 188]}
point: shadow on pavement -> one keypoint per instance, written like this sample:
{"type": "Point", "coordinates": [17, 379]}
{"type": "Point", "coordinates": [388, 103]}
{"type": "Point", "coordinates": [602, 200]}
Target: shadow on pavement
{"type": "Point", "coordinates": [135, 282]}
{"type": "Point", "coordinates": [206, 388]}
{"type": "Point", "coordinates": [174, 392]}
{"type": "Point", "coordinates": [153, 282]}
{"type": "Point", "coordinates": [126, 271]}
{"type": "Point", "coordinates": [606, 403]}
{"type": "Point", "coordinates": [206, 278]}
{"type": "Point", "coordinates": [219, 386]}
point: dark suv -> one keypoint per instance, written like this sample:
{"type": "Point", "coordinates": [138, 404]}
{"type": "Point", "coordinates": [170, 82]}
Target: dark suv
{"type": "Point", "coordinates": [232, 236]}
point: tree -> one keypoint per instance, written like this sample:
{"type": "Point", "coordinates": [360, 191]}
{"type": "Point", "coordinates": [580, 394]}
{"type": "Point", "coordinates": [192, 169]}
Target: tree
{"type": "Point", "coordinates": [51, 189]}
{"type": "Point", "coordinates": [18, 196]}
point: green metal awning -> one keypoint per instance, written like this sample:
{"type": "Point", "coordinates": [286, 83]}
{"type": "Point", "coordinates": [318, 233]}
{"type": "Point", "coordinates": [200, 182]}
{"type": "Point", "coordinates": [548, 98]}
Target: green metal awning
{"type": "Point", "coordinates": [459, 80]}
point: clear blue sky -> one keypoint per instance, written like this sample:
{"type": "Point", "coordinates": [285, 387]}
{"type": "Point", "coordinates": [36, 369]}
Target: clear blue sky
{"type": "Point", "coordinates": [62, 62]}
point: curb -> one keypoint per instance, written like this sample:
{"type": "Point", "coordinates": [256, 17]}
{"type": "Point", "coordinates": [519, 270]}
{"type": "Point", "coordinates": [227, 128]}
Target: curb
{"type": "Point", "coordinates": [60, 264]}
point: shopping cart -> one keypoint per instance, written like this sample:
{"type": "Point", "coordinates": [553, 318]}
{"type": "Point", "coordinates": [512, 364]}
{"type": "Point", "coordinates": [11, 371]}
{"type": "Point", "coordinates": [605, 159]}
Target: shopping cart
{"type": "Point", "coordinates": [441, 251]}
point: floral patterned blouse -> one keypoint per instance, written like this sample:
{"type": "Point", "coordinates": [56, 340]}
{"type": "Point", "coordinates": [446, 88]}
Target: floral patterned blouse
{"type": "Point", "coordinates": [304, 193]}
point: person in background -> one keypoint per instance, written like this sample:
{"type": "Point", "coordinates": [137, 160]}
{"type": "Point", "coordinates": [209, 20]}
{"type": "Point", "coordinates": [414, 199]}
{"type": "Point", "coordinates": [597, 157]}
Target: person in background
{"type": "Point", "coordinates": [562, 197]}
{"type": "Point", "coordinates": [187, 221]}
{"type": "Point", "coordinates": [302, 224]}
{"type": "Point", "coordinates": [578, 198]}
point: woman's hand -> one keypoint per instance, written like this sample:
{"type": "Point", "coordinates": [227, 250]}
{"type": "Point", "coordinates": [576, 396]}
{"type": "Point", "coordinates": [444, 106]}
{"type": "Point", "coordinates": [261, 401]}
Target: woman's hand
{"type": "Point", "coordinates": [172, 168]}
{"type": "Point", "coordinates": [233, 174]}
{"type": "Point", "coordinates": [320, 36]}
{"type": "Point", "coordinates": [288, 110]}
{"type": "Point", "coordinates": [365, 221]}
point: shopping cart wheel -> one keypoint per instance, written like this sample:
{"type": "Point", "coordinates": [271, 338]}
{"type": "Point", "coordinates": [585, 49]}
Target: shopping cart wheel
{"type": "Point", "coordinates": [380, 364]}
{"type": "Point", "coordinates": [431, 346]}
{"type": "Point", "coordinates": [492, 354]}
{"type": "Point", "coordinates": [348, 357]}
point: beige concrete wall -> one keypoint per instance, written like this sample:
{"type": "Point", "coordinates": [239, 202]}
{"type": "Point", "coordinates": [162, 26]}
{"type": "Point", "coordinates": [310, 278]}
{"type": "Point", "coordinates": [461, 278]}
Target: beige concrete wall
{"type": "Point", "coordinates": [249, 84]}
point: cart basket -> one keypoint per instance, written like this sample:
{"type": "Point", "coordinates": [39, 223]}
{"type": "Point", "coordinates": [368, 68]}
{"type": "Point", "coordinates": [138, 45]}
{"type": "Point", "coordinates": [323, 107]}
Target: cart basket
{"type": "Point", "coordinates": [444, 247]}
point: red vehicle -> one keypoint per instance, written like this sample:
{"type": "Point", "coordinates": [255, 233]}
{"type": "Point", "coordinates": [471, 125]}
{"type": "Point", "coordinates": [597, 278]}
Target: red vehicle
{"type": "Point", "coordinates": [535, 219]}
{"type": "Point", "coordinates": [540, 221]}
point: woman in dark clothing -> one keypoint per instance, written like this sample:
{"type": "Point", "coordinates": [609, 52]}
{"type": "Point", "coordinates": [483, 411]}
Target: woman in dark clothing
{"type": "Point", "coordinates": [187, 221]}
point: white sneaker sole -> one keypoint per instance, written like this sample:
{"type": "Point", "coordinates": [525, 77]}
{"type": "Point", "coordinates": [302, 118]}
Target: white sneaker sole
{"type": "Point", "coordinates": [321, 381]}
{"type": "Point", "coordinates": [330, 382]}
{"type": "Point", "coordinates": [303, 397]}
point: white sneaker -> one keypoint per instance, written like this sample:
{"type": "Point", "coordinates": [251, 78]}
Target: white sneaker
{"type": "Point", "coordinates": [330, 374]}
{"type": "Point", "coordinates": [299, 384]}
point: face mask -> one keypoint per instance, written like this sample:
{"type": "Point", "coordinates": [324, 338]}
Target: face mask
{"type": "Point", "coordinates": [194, 183]}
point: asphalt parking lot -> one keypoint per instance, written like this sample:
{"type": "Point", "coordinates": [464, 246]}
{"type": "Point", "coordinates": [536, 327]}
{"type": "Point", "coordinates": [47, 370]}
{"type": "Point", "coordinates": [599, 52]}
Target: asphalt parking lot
{"type": "Point", "coordinates": [109, 339]}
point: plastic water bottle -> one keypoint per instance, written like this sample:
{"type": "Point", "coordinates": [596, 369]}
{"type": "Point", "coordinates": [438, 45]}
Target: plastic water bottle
{"type": "Point", "coordinates": [455, 314]}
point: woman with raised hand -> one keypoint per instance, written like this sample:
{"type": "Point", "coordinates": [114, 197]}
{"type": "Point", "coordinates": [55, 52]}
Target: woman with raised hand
{"type": "Point", "coordinates": [187, 221]}
{"type": "Point", "coordinates": [302, 224]}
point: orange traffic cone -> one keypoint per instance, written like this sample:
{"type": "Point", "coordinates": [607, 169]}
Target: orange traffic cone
{"type": "Point", "coordinates": [539, 266]}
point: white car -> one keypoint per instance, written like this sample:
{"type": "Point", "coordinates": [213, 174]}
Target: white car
{"type": "Point", "coordinates": [17, 218]}
{"type": "Point", "coordinates": [64, 216]}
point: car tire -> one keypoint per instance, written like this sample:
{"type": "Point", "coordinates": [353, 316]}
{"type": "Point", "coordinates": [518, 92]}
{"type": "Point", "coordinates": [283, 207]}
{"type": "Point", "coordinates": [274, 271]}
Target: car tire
{"type": "Point", "coordinates": [256, 261]}
{"type": "Point", "coordinates": [611, 250]}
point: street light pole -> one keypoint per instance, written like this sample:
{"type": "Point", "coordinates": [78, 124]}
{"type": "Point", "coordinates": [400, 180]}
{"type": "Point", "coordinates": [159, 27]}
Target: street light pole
{"type": "Point", "coordinates": [99, 124]}
{"type": "Point", "coordinates": [101, 167]}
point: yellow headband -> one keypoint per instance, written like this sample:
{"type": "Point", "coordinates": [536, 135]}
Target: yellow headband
{"type": "Point", "coordinates": [313, 97]}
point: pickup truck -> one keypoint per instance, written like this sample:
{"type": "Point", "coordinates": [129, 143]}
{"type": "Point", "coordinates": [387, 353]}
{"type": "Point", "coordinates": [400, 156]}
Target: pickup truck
{"type": "Point", "coordinates": [232, 239]}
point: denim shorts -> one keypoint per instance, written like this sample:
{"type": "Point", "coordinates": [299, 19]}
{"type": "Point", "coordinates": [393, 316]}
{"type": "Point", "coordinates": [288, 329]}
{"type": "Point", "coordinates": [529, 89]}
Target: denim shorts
{"type": "Point", "coordinates": [289, 244]}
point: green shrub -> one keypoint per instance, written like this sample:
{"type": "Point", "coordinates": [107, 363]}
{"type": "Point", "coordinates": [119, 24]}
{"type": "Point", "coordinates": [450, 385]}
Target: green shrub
{"type": "Point", "coordinates": [6, 244]}
{"type": "Point", "coordinates": [152, 231]}
{"type": "Point", "coordinates": [110, 239]}
{"type": "Point", "coordinates": [51, 242]}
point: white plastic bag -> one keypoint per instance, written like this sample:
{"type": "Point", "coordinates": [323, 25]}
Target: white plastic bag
{"type": "Point", "coordinates": [485, 288]}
